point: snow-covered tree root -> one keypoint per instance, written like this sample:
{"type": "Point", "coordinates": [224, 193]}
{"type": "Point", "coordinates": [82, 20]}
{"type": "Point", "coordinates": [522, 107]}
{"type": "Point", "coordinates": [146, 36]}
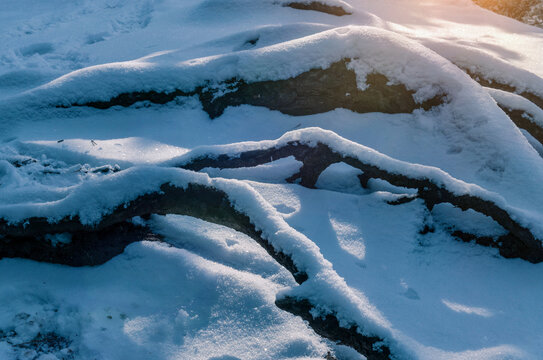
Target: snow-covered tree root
{"type": "Point", "coordinates": [225, 202]}
{"type": "Point", "coordinates": [524, 113]}
{"type": "Point", "coordinates": [317, 149]}
{"type": "Point", "coordinates": [487, 81]}
{"type": "Point", "coordinates": [112, 232]}
{"type": "Point", "coordinates": [82, 247]}
{"type": "Point", "coordinates": [329, 328]}
{"type": "Point", "coordinates": [522, 120]}
{"type": "Point", "coordinates": [312, 92]}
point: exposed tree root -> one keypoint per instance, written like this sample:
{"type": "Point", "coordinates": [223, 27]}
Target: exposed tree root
{"type": "Point", "coordinates": [520, 115]}
{"type": "Point", "coordinates": [197, 200]}
{"type": "Point", "coordinates": [538, 100]}
{"type": "Point", "coordinates": [319, 6]}
{"type": "Point", "coordinates": [371, 347]}
{"type": "Point", "coordinates": [96, 244]}
{"type": "Point", "coordinates": [128, 99]}
{"type": "Point", "coordinates": [93, 245]}
{"type": "Point", "coordinates": [312, 92]}
{"type": "Point", "coordinates": [520, 119]}
{"type": "Point", "coordinates": [86, 248]}
{"type": "Point", "coordinates": [519, 243]}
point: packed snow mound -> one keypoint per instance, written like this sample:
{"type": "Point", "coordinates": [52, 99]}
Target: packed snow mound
{"type": "Point", "coordinates": [427, 73]}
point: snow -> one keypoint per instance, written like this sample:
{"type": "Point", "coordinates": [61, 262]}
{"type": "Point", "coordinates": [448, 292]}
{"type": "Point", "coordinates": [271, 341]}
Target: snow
{"type": "Point", "coordinates": [340, 177]}
{"type": "Point", "coordinates": [208, 292]}
{"type": "Point", "coordinates": [415, 279]}
{"type": "Point", "coordinates": [337, 3]}
{"type": "Point", "coordinates": [95, 198]}
{"type": "Point", "coordinates": [158, 301]}
{"type": "Point", "coordinates": [533, 141]}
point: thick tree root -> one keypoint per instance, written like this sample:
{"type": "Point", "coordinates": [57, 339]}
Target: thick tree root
{"type": "Point", "coordinates": [93, 245]}
{"type": "Point", "coordinates": [86, 248]}
{"type": "Point", "coordinates": [519, 243]}
{"type": "Point", "coordinates": [520, 119]}
{"type": "Point", "coordinates": [519, 115]}
{"type": "Point", "coordinates": [312, 92]}
{"type": "Point", "coordinates": [199, 201]}
{"type": "Point", "coordinates": [319, 6]}
{"type": "Point", "coordinates": [538, 100]}
{"type": "Point", "coordinates": [371, 347]}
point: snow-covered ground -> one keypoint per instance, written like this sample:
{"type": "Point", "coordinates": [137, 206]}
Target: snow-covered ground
{"type": "Point", "coordinates": [207, 291]}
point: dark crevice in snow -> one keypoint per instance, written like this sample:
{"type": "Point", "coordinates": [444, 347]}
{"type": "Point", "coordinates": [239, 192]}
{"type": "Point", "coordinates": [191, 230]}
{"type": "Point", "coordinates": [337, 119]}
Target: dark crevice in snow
{"type": "Point", "coordinates": [128, 99]}
{"type": "Point", "coordinates": [312, 92]}
{"type": "Point", "coordinates": [372, 347]}
{"type": "Point", "coordinates": [520, 242]}
{"type": "Point", "coordinates": [427, 229]}
{"type": "Point", "coordinates": [249, 43]}
{"type": "Point", "coordinates": [22, 161]}
{"type": "Point", "coordinates": [481, 240]}
{"type": "Point", "coordinates": [404, 199]}
{"type": "Point", "coordinates": [318, 6]}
